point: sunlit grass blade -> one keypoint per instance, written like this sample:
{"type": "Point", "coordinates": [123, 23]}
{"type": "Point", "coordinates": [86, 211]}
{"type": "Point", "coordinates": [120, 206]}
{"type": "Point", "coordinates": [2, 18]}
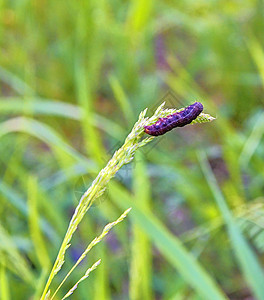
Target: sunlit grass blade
{"type": "Point", "coordinates": [39, 285]}
{"type": "Point", "coordinates": [39, 106]}
{"type": "Point", "coordinates": [138, 16]}
{"type": "Point", "coordinates": [34, 226]}
{"type": "Point", "coordinates": [86, 98]}
{"type": "Point", "coordinates": [121, 98]}
{"type": "Point", "coordinates": [4, 285]}
{"type": "Point", "coordinates": [257, 53]}
{"type": "Point", "coordinates": [102, 284]}
{"type": "Point", "coordinates": [141, 256]}
{"type": "Point", "coordinates": [248, 262]}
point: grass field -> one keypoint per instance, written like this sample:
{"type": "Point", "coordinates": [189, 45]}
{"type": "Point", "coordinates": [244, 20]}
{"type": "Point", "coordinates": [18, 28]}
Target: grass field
{"type": "Point", "coordinates": [74, 77]}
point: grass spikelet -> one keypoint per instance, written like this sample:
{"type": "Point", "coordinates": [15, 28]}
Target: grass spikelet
{"type": "Point", "coordinates": [121, 157]}
{"type": "Point", "coordinates": [94, 242]}
{"type": "Point", "coordinates": [203, 118]}
{"type": "Point", "coordinates": [86, 275]}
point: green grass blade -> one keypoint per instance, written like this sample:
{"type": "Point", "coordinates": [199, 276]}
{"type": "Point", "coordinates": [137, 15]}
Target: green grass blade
{"type": "Point", "coordinates": [34, 225]}
{"type": "Point", "coordinates": [15, 82]}
{"type": "Point", "coordinates": [14, 199]}
{"type": "Point", "coordinates": [138, 16]}
{"type": "Point", "coordinates": [170, 247]}
{"type": "Point", "coordinates": [252, 141]}
{"type": "Point", "coordinates": [141, 256]}
{"type": "Point", "coordinates": [86, 101]}
{"type": "Point", "coordinates": [247, 260]}
{"type": "Point", "coordinates": [101, 283]}
{"type": "Point", "coordinates": [38, 105]}
{"type": "Point", "coordinates": [42, 106]}
{"type": "Point", "coordinates": [16, 261]}
{"type": "Point", "coordinates": [44, 133]}
{"type": "Point", "coordinates": [121, 98]}
{"type": "Point", "coordinates": [258, 55]}
{"type": "Point", "coordinates": [20, 204]}
{"type": "Point", "coordinates": [4, 286]}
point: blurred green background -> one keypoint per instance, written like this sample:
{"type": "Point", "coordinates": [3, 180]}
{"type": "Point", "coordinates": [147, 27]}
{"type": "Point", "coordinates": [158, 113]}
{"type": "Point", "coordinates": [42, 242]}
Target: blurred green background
{"type": "Point", "coordinates": [74, 76]}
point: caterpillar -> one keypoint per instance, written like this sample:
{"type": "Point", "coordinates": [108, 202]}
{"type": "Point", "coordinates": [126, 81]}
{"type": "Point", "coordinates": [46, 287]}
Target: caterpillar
{"type": "Point", "coordinates": [178, 119]}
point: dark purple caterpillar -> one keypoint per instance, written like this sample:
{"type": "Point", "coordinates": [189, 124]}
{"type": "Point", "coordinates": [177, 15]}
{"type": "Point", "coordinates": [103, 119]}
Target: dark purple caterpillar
{"type": "Point", "coordinates": [179, 119]}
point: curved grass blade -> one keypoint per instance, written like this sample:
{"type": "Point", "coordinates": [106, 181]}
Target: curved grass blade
{"type": "Point", "coordinates": [252, 141]}
{"type": "Point", "coordinates": [247, 260]}
{"type": "Point", "coordinates": [172, 249]}
{"type": "Point", "coordinates": [43, 132]}
{"type": "Point", "coordinates": [15, 82]}
{"type": "Point", "coordinates": [50, 107]}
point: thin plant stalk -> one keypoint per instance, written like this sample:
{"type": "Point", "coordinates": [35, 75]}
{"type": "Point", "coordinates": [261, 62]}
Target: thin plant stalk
{"type": "Point", "coordinates": [121, 157]}
{"type": "Point", "coordinates": [94, 242]}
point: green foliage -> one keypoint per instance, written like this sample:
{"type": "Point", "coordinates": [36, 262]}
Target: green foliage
{"type": "Point", "coordinates": [74, 76]}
